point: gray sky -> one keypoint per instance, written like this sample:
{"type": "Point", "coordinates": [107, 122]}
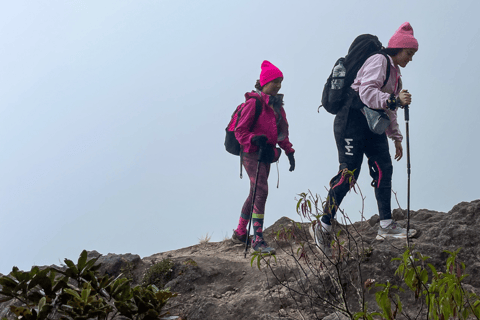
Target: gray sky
{"type": "Point", "coordinates": [112, 115]}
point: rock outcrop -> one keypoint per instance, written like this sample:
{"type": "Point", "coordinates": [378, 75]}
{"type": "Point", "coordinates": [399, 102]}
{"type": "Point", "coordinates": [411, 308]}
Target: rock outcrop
{"type": "Point", "coordinates": [215, 281]}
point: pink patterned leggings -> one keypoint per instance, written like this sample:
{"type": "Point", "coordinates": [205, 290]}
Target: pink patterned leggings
{"type": "Point", "coordinates": [250, 163]}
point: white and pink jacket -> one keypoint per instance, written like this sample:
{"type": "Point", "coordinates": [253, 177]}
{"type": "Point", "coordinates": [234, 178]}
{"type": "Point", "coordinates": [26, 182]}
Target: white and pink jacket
{"type": "Point", "coordinates": [368, 84]}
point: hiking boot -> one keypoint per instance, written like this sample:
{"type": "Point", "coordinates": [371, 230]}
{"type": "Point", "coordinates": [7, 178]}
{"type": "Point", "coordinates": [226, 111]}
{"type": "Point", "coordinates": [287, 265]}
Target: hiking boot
{"type": "Point", "coordinates": [262, 247]}
{"type": "Point", "coordinates": [323, 240]}
{"type": "Point", "coordinates": [240, 239]}
{"type": "Point", "coordinates": [393, 230]}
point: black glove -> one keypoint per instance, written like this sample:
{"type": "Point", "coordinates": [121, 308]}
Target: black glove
{"type": "Point", "coordinates": [291, 159]}
{"type": "Point", "coordinates": [259, 141]}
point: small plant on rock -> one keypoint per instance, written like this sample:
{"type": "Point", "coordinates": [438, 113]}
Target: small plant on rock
{"type": "Point", "coordinates": [190, 262]}
{"type": "Point", "coordinates": [159, 274]}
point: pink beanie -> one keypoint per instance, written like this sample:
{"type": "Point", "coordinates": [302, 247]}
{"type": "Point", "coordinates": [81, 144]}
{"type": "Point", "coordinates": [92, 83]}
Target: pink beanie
{"type": "Point", "coordinates": [403, 38]}
{"type": "Point", "coordinates": [269, 73]}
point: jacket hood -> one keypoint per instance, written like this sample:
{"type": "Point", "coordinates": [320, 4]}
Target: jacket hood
{"type": "Point", "coordinates": [265, 97]}
{"type": "Point", "coordinates": [253, 94]}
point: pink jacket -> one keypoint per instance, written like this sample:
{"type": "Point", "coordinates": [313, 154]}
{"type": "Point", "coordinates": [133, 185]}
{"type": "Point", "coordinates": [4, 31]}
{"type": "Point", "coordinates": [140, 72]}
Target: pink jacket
{"type": "Point", "coordinates": [266, 124]}
{"type": "Point", "coordinates": [368, 84]}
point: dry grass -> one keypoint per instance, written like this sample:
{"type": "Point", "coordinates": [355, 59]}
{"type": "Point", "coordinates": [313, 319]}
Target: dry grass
{"type": "Point", "coordinates": [205, 239]}
{"type": "Point", "coordinates": [227, 237]}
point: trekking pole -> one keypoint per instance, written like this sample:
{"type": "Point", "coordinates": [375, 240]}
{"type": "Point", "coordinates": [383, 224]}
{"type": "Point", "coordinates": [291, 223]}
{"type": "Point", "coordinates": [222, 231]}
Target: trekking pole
{"type": "Point", "coordinates": [260, 152]}
{"type": "Point", "coordinates": [407, 119]}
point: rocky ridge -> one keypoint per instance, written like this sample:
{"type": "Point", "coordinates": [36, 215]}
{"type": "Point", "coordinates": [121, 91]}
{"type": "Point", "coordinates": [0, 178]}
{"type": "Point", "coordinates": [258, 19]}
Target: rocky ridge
{"type": "Point", "coordinates": [215, 281]}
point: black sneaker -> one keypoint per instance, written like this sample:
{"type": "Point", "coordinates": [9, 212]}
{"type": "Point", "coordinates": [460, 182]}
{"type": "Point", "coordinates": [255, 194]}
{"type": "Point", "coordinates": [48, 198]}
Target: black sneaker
{"type": "Point", "coordinates": [323, 240]}
{"type": "Point", "coordinates": [240, 239]}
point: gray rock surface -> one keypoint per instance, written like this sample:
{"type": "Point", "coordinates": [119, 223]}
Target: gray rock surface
{"type": "Point", "coordinates": [215, 281]}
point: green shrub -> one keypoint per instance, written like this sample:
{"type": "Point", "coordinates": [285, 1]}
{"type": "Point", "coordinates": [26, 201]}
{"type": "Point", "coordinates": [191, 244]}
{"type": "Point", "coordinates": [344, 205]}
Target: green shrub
{"type": "Point", "coordinates": [78, 292]}
{"type": "Point", "coordinates": [159, 274]}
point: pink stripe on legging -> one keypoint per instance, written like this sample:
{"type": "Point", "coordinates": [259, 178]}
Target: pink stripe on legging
{"type": "Point", "coordinates": [379, 174]}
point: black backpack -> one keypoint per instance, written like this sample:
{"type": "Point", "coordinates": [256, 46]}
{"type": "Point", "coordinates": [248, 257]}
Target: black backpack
{"type": "Point", "coordinates": [231, 142]}
{"type": "Point", "coordinates": [360, 50]}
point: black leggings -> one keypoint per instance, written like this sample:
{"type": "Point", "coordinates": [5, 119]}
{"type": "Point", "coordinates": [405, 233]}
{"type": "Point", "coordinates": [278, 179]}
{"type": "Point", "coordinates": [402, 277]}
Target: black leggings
{"type": "Point", "coordinates": [353, 141]}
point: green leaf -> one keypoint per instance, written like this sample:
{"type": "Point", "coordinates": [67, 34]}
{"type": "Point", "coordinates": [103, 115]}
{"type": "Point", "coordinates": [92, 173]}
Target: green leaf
{"type": "Point", "coordinates": [61, 284]}
{"type": "Point", "coordinates": [44, 312]}
{"type": "Point", "coordinates": [298, 204]}
{"type": "Point", "coordinates": [34, 296]}
{"type": "Point", "coordinates": [42, 303]}
{"type": "Point", "coordinates": [424, 276]}
{"type": "Point", "coordinates": [20, 275]}
{"type": "Point", "coordinates": [126, 309]}
{"type": "Point", "coordinates": [163, 295]}
{"type": "Point", "coordinates": [90, 263]}
{"type": "Point", "coordinates": [96, 266]}
{"type": "Point", "coordinates": [22, 286]}
{"type": "Point", "coordinates": [8, 282]}
{"type": "Point", "coordinates": [72, 293]}
{"type": "Point", "coordinates": [251, 261]}
{"type": "Point", "coordinates": [142, 305]}
{"type": "Point", "coordinates": [399, 270]}
{"type": "Point", "coordinates": [86, 294]}
{"type": "Point", "coordinates": [72, 268]}
{"type": "Point", "coordinates": [434, 270]}
{"type": "Point", "coordinates": [82, 260]}
{"type": "Point", "coordinates": [152, 314]}
{"type": "Point", "coordinates": [36, 279]}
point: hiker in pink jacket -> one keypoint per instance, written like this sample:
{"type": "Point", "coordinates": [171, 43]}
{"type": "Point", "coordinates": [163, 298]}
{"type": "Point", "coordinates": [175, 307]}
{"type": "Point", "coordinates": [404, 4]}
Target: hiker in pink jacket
{"type": "Point", "coordinates": [259, 149]}
{"type": "Point", "coordinates": [354, 138]}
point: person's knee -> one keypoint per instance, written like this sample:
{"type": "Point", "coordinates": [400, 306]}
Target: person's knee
{"type": "Point", "coordinates": [262, 191]}
{"type": "Point", "coordinates": [342, 179]}
{"type": "Point", "coordinates": [381, 171]}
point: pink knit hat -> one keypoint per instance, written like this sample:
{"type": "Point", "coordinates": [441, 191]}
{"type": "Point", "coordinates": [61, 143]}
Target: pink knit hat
{"type": "Point", "coordinates": [403, 38]}
{"type": "Point", "coordinates": [269, 73]}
